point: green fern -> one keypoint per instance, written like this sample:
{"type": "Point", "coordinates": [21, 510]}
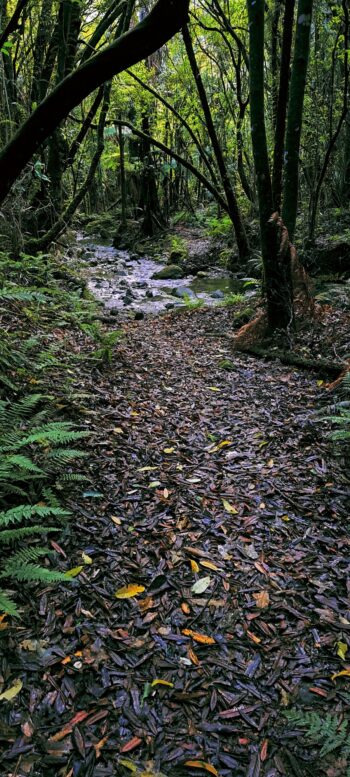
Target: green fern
{"type": "Point", "coordinates": [327, 731]}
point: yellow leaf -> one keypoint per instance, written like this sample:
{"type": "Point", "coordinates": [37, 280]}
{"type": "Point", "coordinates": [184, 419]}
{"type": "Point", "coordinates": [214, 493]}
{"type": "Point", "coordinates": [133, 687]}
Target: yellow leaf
{"type": "Point", "coordinates": [118, 430]}
{"type": "Point", "coordinates": [146, 469]}
{"type": "Point", "coordinates": [270, 463]}
{"type": "Point", "coordinates": [168, 450]}
{"type": "Point", "coordinates": [223, 443]}
{"type": "Point", "coordinates": [133, 412]}
{"type": "Point", "coordinates": [74, 572]}
{"type": "Point", "coordinates": [86, 559]}
{"type": "Point", "coordinates": [209, 565]}
{"type": "Point", "coordinates": [194, 565]}
{"type": "Point", "coordinates": [342, 650]}
{"type": "Point", "coordinates": [129, 591]}
{"type": "Point", "coordinates": [203, 765]}
{"type": "Point", "coordinates": [343, 673]}
{"type": "Point", "coordinates": [229, 508]}
{"type": "Point", "coordinates": [161, 682]}
{"type": "Point", "coordinates": [320, 382]}
{"type": "Point", "coordinates": [12, 692]}
{"type": "Point", "coordinates": [213, 388]}
{"type": "Point", "coordinates": [285, 518]}
{"type": "Point", "coordinates": [116, 520]}
{"type": "Point", "coordinates": [262, 599]}
{"type": "Point", "coordinates": [201, 638]}
{"type": "Point", "coordinates": [128, 764]}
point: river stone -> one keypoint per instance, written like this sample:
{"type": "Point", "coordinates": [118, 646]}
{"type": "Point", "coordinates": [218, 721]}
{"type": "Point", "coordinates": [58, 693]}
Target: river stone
{"type": "Point", "coordinates": [183, 291]}
{"type": "Point", "coordinates": [202, 274]}
{"type": "Point", "coordinates": [217, 294]}
{"type": "Point", "coordinates": [170, 272]}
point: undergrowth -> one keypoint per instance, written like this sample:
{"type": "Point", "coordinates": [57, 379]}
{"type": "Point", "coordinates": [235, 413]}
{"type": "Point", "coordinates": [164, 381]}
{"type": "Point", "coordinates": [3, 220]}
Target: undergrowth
{"type": "Point", "coordinates": [328, 732]}
{"type": "Point", "coordinates": [39, 298]}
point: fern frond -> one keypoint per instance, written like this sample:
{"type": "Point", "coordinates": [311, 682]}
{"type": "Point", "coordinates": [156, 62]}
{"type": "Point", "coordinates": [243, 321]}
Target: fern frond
{"type": "Point", "coordinates": [25, 512]}
{"type": "Point", "coordinates": [33, 573]}
{"type": "Point", "coordinates": [11, 536]}
{"type": "Point", "coordinates": [7, 605]}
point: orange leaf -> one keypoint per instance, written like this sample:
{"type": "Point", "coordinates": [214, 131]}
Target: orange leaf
{"type": "Point", "coordinates": [194, 565]}
{"type": "Point", "coordinates": [202, 638]}
{"type": "Point", "coordinates": [185, 608]}
{"type": "Point", "coordinates": [78, 718]}
{"type": "Point", "coordinates": [203, 765]}
{"type": "Point", "coordinates": [253, 637]}
{"type": "Point", "coordinates": [262, 599]}
{"type": "Point", "coordinates": [195, 660]}
{"type": "Point", "coordinates": [263, 751]}
{"type": "Point", "coordinates": [134, 742]}
{"type": "Point", "coordinates": [99, 745]}
{"type": "Point", "coordinates": [128, 591]}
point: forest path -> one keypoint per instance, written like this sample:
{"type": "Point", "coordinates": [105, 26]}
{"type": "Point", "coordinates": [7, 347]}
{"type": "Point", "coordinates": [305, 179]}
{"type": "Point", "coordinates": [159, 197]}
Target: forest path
{"type": "Point", "coordinates": [214, 493]}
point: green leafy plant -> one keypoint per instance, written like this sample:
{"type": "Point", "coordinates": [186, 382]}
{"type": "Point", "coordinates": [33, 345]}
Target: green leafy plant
{"type": "Point", "coordinates": [232, 299]}
{"type": "Point", "coordinates": [193, 303]}
{"type": "Point", "coordinates": [105, 340]}
{"type": "Point", "coordinates": [327, 731]}
{"type": "Point", "coordinates": [340, 414]}
{"type": "Point", "coordinates": [33, 451]}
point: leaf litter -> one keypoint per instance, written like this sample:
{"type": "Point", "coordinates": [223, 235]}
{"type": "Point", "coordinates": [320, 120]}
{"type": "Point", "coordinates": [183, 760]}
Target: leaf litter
{"type": "Point", "coordinates": [143, 653]}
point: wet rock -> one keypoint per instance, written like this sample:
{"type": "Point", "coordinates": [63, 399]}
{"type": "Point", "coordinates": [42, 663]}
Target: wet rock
{"type": "Point", "coordinates": [113, 311]}
{"type": "Point", "coordinates": [170, 272]}
{"type": "Point", "coordinates": [202, 274]}
{"type": "Point", "coordinates": [121, 273]}
{"type": "Point", "coordinates": [141, 284]}
{"type": "Point", "coordinates": [139, 315]}
{"type": "Point", "coordinates": [183, 291]}
{"type": "Point", "coordinates": [218, 294]}
{"type": "Point", "coordinates": [149, 293]}
{"type": "Point", "coordinates": [170, 305]}
{"type": "Point", "coordinates": [93, 262]}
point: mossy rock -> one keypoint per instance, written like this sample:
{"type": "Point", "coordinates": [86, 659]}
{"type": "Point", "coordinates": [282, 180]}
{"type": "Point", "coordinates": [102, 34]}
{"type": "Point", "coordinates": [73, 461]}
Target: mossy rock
{"type": "Point", "coordinates": [170, 272]}
{"type": "Point", "coordinates": [178, 256]}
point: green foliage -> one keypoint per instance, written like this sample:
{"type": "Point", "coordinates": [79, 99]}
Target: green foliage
{"type": "Point", "coordinates": [105, 340]}
{"type": "Point", "coordinates": [327, 731]}
{"type": "Point", "coordinates": [193, 303]}
{"type": "Point", "coordinates": [32, 449]}
{"type": "Point", "coordinates": [340, 414]}
{"type": "Point", "coordinates": [232, 299]}
{"type": "Point", "coordinates": [219, 227]}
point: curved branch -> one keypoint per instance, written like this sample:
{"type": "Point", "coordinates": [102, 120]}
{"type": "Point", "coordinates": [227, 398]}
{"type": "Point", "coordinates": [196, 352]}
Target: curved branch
{"type": "Point", "coordinates": [180, 159]}
{"type": "Point", "coordinates": [162, 23]}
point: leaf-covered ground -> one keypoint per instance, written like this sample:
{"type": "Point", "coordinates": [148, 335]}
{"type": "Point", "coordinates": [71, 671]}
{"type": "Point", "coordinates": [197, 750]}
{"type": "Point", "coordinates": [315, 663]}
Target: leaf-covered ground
{"type": "Point", "coordinates": [218, 510]}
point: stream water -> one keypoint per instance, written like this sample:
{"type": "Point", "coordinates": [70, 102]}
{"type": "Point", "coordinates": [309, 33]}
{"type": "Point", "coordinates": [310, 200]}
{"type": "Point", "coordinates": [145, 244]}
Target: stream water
{"type": "Point", "coordinates": [124, 282]}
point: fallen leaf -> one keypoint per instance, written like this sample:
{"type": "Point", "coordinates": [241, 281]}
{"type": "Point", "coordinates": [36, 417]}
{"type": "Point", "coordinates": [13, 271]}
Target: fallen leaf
{"type": "Point", "coordinates": [134, 742]}
{"type": "Point", "coordinates": [161, 682]}
{"type": "Point", "coordinates": [74, 572]}
{"type": "Point", "coordinates": [86, 559]}
{"type": "Point", "coordinates": [201, 638]}
{"type": "Point", "coordinates": [203, 765]}
{"type": "Point", "coordinates": [229, 508]}
{"type": "Point", "coordinates": [343, 673]}
{"type": "Point", "coordinates": [146, 469]}
{"type": "Point", "coordinates": [262, 599]}
{"type": "Point", "coordinates": [201, 585]}
{"type": "Point", "coordinates": [128, 591]}
{"type": "Point", "coordinates": [342, 650]}
{"type": "Point", "coordinates": [213, 388]}
{"type": "Point", "coordinates": [209, 565]}
{"type": "Point", "coordinates": [194, 565]}
{"type": "Point", "coordinates": [185, 608]}
{"type": "Point", "coordinates": [168, 450]}
{"type": "Point", "coordinates": [12, 692]}
{"type": "Point", "coordinates": [154, 484]}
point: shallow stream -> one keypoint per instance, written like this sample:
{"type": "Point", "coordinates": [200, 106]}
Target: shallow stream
{"type": "Point", "coordinates": [123, 281]}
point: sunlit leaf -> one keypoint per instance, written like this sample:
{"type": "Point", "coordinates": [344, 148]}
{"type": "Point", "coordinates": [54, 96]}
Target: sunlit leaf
{"type": "Point", "coordinates": [342, 650]}
{"type": "Point", "coordinates": [86, 559]}
{"type": "Point", "coordinates": [161, 682]}
{"type": "Point", "coordinates": [74, 572]}
{"type": "Point", "coordinates": [194, 565]}
{"type": "Point", "coordinates": [229, 508]}
{"type": "Point", "coordinates": [12, 692]}
{"type": "Point", "coordinates": [128, 591]}
{"type": "Point", "coordinates": [262, 599]}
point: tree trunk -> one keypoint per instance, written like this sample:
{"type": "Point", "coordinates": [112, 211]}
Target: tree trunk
{"type": "Point", "coordinates": [276, 263]}
{"type": "Point", "coordinates": [233, 209]}
{"type": "Point", "coordinates": [295, 115]}
{"type": "Point", "coordinates": [282, 103]}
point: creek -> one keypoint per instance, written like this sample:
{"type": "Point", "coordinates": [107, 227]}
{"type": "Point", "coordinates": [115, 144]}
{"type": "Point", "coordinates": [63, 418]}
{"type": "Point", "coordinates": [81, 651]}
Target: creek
{"type": "Point", "coordinates": [124, 282]}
